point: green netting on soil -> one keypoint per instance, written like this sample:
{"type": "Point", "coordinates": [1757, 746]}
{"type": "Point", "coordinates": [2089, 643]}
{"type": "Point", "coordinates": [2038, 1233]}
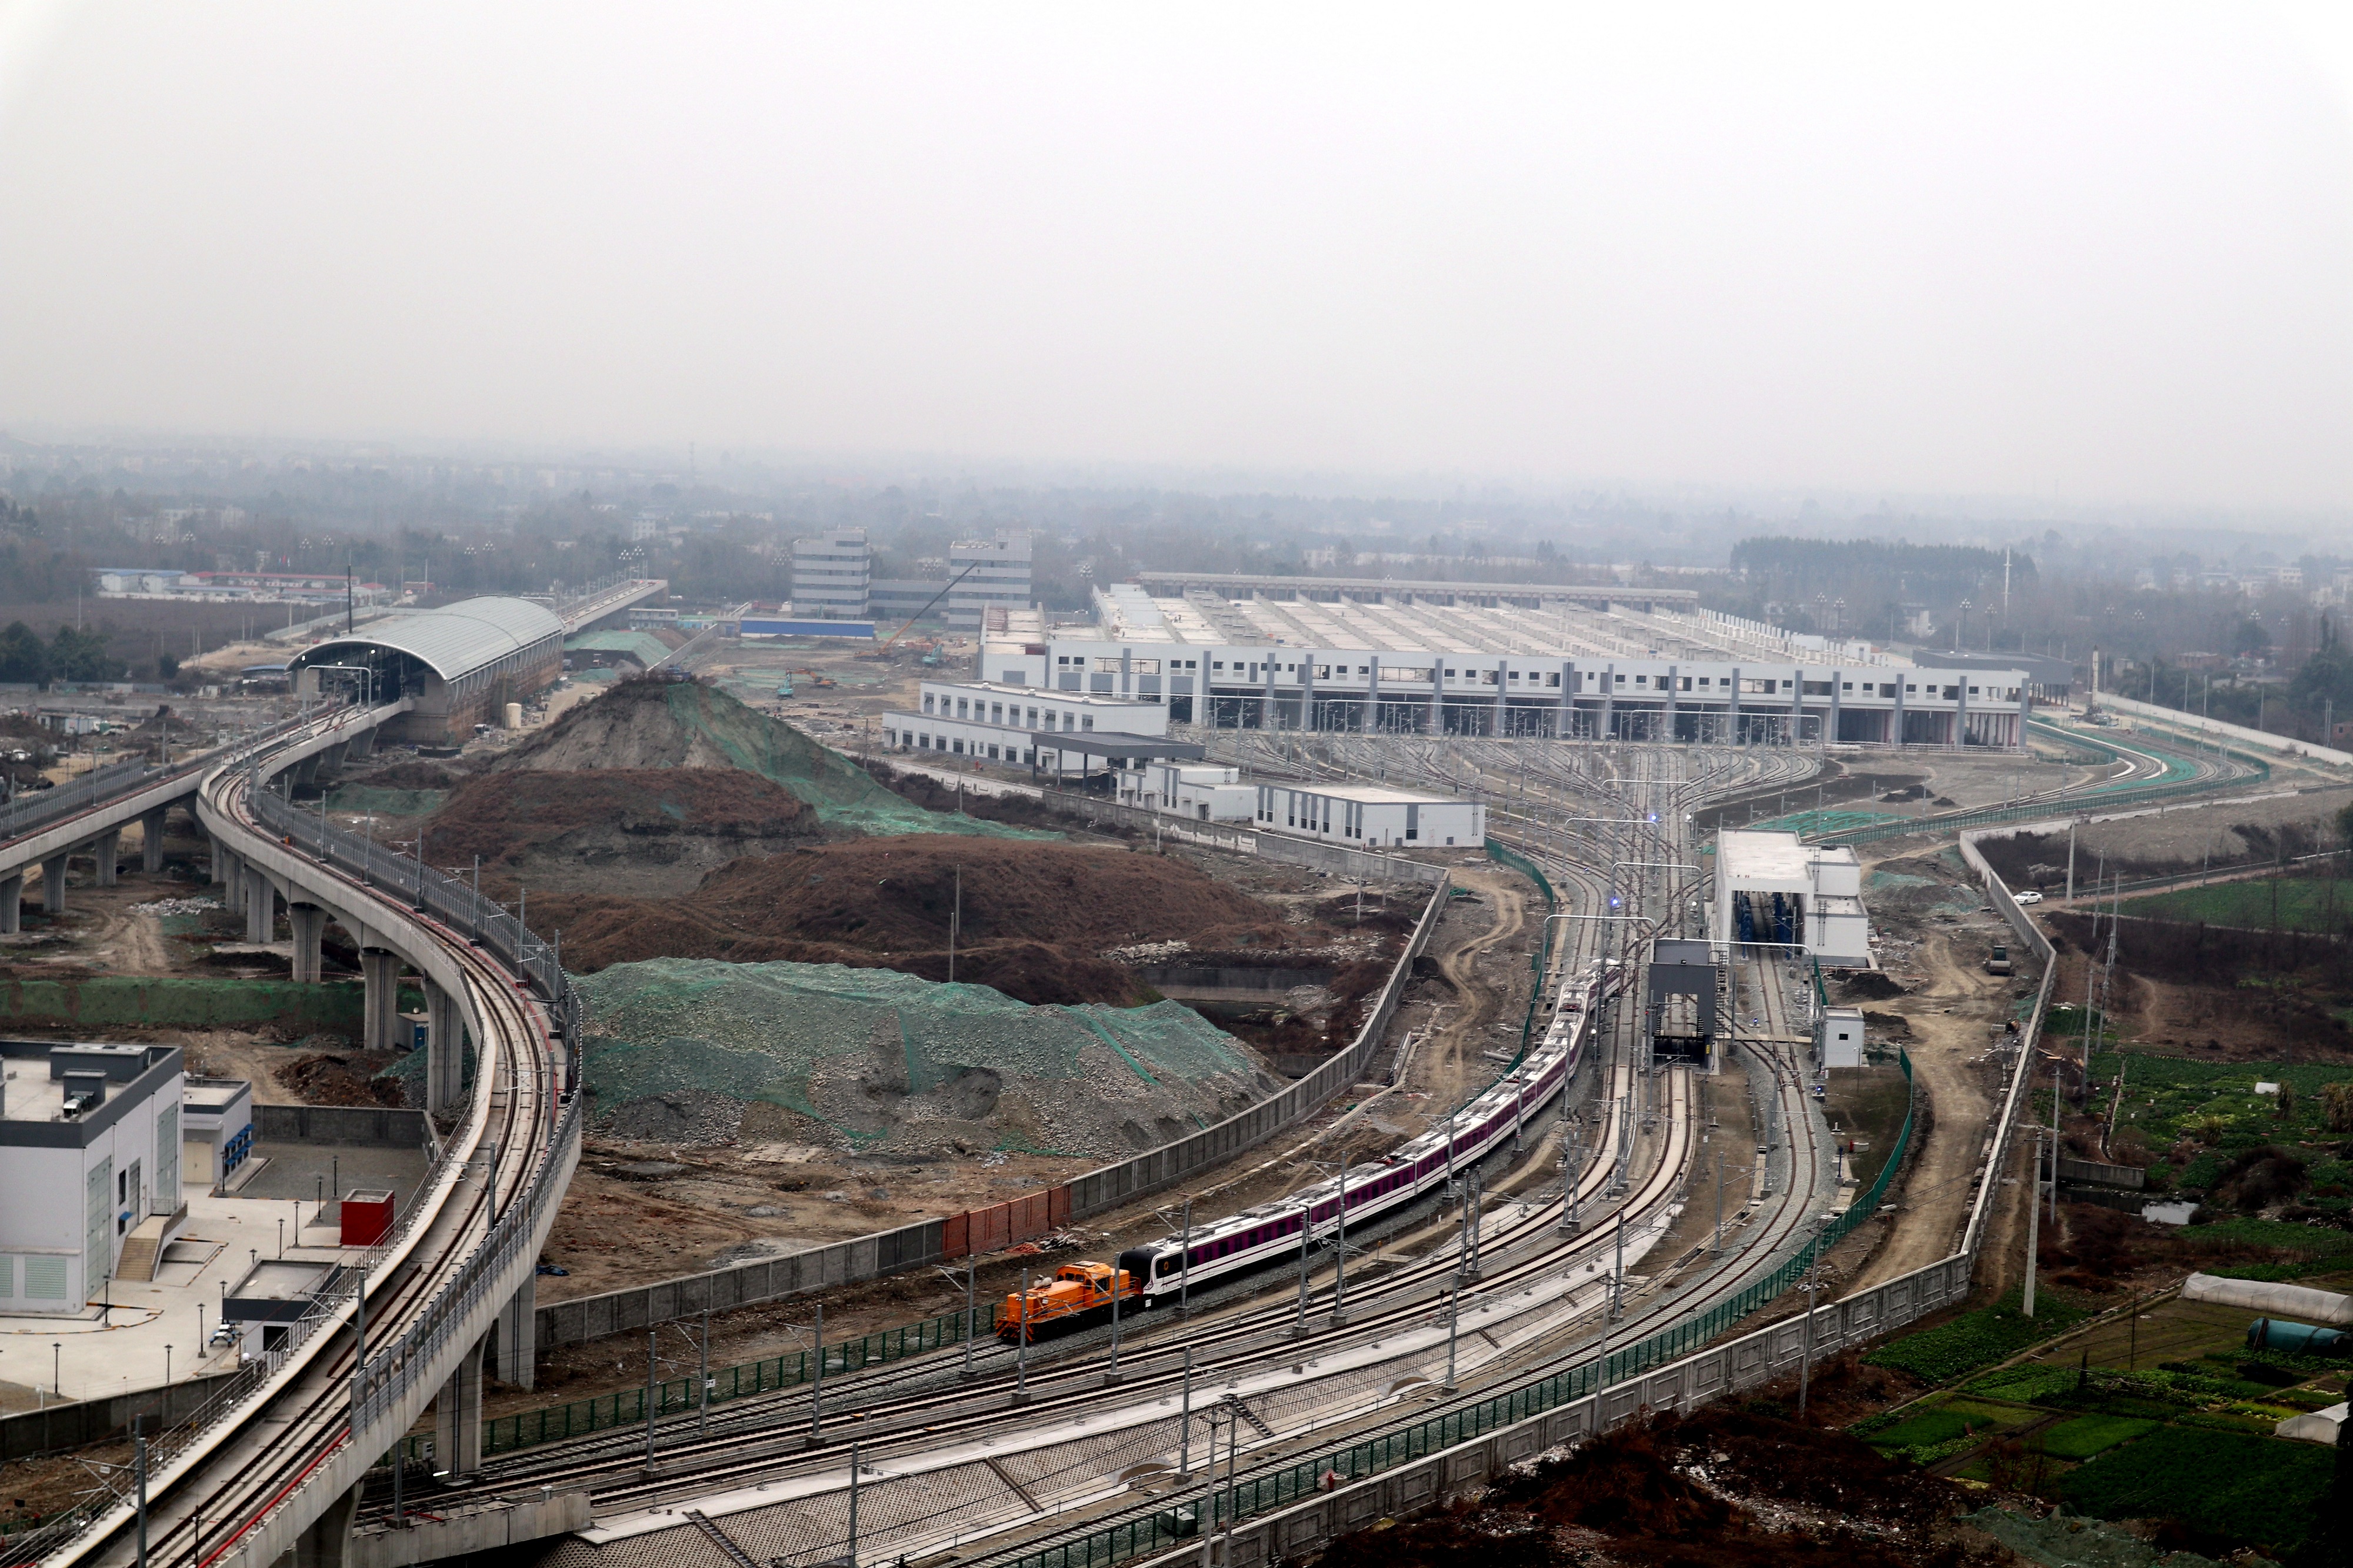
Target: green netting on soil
{"type": "Point", "coordinates": [852, 1047]}
{"type": "Point", "coordinates": [842, 793]}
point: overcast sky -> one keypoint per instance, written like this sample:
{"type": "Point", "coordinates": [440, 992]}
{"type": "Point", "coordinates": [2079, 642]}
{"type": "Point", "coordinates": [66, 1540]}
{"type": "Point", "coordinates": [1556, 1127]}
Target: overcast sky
{"type": "Point", "coordinates": [2075, 254]}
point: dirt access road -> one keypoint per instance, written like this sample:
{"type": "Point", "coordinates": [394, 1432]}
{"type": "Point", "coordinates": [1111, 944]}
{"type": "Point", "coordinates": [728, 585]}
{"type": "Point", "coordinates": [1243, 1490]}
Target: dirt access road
{"type": "Point", "coordinates": [1953, 1018]}
{"type": "Point", "coordinates": [1481, 966]}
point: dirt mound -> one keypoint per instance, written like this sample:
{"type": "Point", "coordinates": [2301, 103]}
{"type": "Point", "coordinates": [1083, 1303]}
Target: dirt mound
{"type": "Point", "coordinates": [336, 1078]}
{"type": "Point", "coordinates": [1868, 986]}
{"type": "Point", "coordinates": [902, 893]}
{"type": "Point", "coordinates": [647, 722]}
{"type": "Point", "coordinates": [409, 774]}
{"type": "Point", "coordinates": [1721, 1487]}
{"type": "Point", "coordinates": [657, 830]}
{"type": "Point", "coordinates": [1035, 916]}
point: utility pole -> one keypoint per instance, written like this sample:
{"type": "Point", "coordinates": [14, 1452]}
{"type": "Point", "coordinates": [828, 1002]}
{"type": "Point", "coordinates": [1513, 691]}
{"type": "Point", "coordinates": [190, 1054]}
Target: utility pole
{"type": "Point", "coordinates": [2033, 1230]}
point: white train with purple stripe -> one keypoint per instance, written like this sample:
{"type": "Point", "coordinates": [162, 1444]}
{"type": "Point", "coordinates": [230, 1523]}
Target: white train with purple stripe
{"type": "Point", "coordinates": [1269, 1233]}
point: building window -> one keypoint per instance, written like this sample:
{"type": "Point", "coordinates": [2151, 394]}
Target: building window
{"type": "Point", "coordinates": [1552, 678]}
{"type": "Point", "coordinates": [1641, 680]}
{"type": "Point", "coordinates": [1088, 722]}
{"type": "Point", "coordinates": [957, 746]}
{"type": "Point", "coordinates": [927, 702]}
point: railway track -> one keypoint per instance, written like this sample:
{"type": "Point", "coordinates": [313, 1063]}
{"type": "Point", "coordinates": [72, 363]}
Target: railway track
{"type": "Point", "coordinates": [896, 1418]}
{"type": "Point", "coordinates": [206, 1505]}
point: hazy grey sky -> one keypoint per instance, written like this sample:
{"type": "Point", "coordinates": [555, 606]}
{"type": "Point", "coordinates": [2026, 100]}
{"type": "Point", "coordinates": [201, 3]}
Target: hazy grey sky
{"type": "Point", "coordinates": [2078, 253]}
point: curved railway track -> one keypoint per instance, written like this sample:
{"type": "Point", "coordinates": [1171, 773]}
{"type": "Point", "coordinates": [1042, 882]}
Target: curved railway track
{"type": "Point", "coordinates": [205, 1505]}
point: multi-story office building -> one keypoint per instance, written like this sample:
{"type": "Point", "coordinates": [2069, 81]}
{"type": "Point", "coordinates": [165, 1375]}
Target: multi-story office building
{"type": "Point", "coordinates": [989, 574]}
{"type": "Point", "coordinates": [831, 575]}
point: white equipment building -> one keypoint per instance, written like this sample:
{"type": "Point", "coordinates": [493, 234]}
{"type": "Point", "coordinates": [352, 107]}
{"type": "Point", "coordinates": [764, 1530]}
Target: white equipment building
{"type": "Point", "coordinates": [1370, 816]}
{"type": "Point", "coordinates": [89, 1169]}
{"type": "Point", "coordinates": [1202, 792]}
{"type": "Point", "coordinates": [1771, 890]}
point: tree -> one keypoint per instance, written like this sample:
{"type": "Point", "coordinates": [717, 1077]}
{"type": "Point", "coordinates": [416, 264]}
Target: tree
{"type": "Point", "coordinates": [80, 655]}
{"type": "Point", "coordinates": [24, 661]}
{"type": "Point", "coordinates": [2248, 638]}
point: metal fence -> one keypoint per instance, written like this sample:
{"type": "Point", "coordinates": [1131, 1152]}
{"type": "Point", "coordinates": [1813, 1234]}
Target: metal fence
{"type": "Point", "coordinates": [1267, 1490]}
{"type": "Point", "coordinates": [678, 1395]}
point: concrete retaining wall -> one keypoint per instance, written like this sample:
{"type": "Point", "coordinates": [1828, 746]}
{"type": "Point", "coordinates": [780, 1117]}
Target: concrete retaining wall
{"type": "Point", "coordinates": [2285, 745]}
{"type": "Point", "coordinates": [503, 1523]}
{"type": "Point", "coordinates": [74, 1423]}
{"type": "Point", "coordinates": [357, 1126]}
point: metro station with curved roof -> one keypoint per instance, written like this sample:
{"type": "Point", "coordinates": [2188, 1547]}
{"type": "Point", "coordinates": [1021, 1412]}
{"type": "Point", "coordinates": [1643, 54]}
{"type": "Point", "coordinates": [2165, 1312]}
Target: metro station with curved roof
{"type": "Point", "coordinates": [457, 664]}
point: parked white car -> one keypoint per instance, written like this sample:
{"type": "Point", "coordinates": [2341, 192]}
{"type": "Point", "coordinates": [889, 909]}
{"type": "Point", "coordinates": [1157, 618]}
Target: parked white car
{"type": "Point", "coordinates": [2029, 897]}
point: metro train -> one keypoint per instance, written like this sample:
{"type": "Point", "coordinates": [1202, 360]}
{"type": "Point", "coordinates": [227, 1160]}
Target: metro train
{"type": "Point", "coordinates": [1269, 1233]}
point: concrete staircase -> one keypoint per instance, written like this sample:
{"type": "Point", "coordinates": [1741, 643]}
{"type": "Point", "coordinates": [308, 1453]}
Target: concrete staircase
{"type": "Point", "coordinates": [143, 1250]}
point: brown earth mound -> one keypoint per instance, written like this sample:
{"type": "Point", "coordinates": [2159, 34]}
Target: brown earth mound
{"type": "Point", "coordinates": [333, 1078]}
{"type": "Point", "coordinates": [1723, 1488]}
{"type": "Point", "coordinates": [657, 830]}
{"type": "Point", "coordinates": [895, 893]}
{"type": "Point", "coordinates": [1035, 916]}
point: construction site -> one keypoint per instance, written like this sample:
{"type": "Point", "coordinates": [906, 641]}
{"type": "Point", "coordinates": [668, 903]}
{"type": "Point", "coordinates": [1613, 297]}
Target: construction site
{"type": "Point", "coordinates": [866, 1042]}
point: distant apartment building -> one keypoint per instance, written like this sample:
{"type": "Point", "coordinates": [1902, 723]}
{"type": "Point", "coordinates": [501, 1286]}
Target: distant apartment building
{"type": "Point", "coordinates": [832, 574]}
{"type": "Point", "coordinates": [989, 574]}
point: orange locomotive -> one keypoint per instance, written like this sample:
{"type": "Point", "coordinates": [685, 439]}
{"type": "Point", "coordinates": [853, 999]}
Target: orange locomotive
{"type": "Point", "coordinates": [1078, 1293]}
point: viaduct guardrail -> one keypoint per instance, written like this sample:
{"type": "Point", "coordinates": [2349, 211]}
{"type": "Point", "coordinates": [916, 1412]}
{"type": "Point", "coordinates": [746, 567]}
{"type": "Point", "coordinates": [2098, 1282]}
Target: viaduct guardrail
{"type": "Point", "coordinates": [390, 1374]}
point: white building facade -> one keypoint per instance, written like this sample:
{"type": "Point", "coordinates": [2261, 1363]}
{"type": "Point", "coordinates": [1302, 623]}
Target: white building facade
{"type": "Point", "coordinates": [1199, 792]}
{"type": "Point", "coordinates": [1370, 816]}
{"type": "Point", "coordinates": [1022, 726]}
{"type": "Point", "coordinates": [89, 1164]}
{"type": "Point", "coordinates": [990, 573]}
{"type": "Point", "coordinates": [1774, 890]}
{"type": "Point", "coordinates": [1279, 686]}
{"type": "Point", "coordinates": [831, 575]}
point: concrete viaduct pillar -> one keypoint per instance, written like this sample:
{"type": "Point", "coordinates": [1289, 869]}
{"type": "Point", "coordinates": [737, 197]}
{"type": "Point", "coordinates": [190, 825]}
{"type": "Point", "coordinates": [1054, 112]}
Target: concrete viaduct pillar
{"type": "Point", "coordinates": [151, 841]}
{"type": "Point", "coordinates": [309, 923]}
{"type": "Point", "coordinates": [360, 745]}
{"type": "Point", "coordinates": [458, 1419]}
{"type": "Point", "coordinates": [53, 885]}
{"type": "Point", "coordinates": [518, 1339]}
{"type": "Point", "coordinates": [380, 1009]}
{"type": "Point", "coordinates": [12, 904]}
{"type": "Point", "coordinates": [445, 1049]}
{"type": "Point", "coordinates": [261, 908]}
{"type": "Point", "coordinates": [109, 850]}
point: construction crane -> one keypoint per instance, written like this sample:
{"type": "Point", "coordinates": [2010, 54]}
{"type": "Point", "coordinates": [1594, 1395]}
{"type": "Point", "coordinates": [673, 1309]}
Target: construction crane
{"type": "Point", "coordinates": [931, 658]}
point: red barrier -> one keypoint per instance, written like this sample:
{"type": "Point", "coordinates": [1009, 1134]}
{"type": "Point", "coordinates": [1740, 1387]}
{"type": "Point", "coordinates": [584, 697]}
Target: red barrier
{"type": "Point", "coordinates": [1000, 1225]}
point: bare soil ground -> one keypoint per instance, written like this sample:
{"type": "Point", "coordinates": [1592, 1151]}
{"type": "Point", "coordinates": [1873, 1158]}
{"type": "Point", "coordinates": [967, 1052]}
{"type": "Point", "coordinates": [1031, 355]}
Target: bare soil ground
{"type": "Point", "coordinates": [1952, 1022]}
{"type": "Point", "coordinates": [611, 830]}
{"type": "Point", "coordinates": [709, 1200]}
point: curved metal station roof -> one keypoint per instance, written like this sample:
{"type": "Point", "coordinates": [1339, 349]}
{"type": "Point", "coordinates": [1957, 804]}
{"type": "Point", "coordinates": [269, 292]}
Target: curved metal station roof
{"type": "Point", "coordinates": [454, 640]}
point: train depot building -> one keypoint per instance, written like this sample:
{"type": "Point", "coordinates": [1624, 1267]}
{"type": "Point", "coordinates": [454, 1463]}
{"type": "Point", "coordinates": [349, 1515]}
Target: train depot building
{"type": "Point", "coordinates": [1489, 659]}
